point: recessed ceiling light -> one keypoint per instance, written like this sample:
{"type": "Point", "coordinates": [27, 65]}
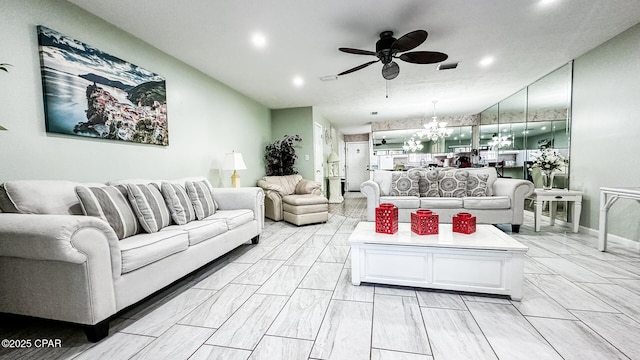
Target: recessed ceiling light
{"type": "Point", "coordinates": [486, 61]}
{"type": "Point", "coordinates": [259, 40]}
{"type": "Point", "coordinates": [298, 81]}
{"type": "Point", "coordinates": [461, 135]}
{"type": "Point", "coordinates": [546, 2]}
{"type": "Point", "coordinates": [543, 128]}
{"type": "Point", "coordinates": [455, 138]}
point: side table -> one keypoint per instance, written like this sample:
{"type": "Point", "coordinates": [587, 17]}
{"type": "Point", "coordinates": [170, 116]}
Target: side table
{"type": "Point", "coordinates": [335, 191]}
{"type": "Point", "coordinates": [553, 196]}
{"type": "Point", "coordinates": [608, 196]}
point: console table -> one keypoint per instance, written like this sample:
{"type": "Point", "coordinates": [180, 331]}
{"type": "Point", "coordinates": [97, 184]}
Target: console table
{"type": "Point", "coordinates": [553, 196]}
{"type": "Point", "coordinates": [608, 196]}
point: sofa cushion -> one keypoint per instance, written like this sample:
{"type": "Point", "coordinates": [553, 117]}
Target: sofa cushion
{"type": "Point", "coordinates": [404, 183]}
{"type": "Point", "coordinates": [287, 182]}
{"type": "Point", "coordinates": [178, 203]}
{"type": "Point", "coordinates": [487, 202]}
{"type": "Point", "coordinates": [477, 184]}
{"type": "Point", "coordinates": [144, 249]}
{"type": "Point", "coordinates": [5, 203]}
{"type": "Point", "coordinates": [383, 178]}
{"type": "Point", "coordinates": [149, 206]}
{"type": "Point", "coordinates": [452, 183]}
{"type": "Point", "coordinates": [234, 218]}
{"type": "Point", "coordinates": [402, 202]}
{"type": "Point", "coordinates": [201, 198]}
{"type": "Point", "coordinates": [441, 203]}
{"type": "Point", "coordinates": [110, 204]}
{"type": "Point", "coordinates": [493, 175]}
{"type": "Point", "coordinates": [428, 183]}
{"type": "Point", "coordinates": [52, 197]}
{"type": "Point", "coordinates": [307, 199]}
{"type": "Point", "coordinates": [201, 230]}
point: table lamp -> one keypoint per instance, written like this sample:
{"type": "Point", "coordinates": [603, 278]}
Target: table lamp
{"type": "Point", "coordinates": [233, 161]}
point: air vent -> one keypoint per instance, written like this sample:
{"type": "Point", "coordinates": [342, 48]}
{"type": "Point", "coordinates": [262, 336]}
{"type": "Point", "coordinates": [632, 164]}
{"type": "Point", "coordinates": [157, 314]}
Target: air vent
{"type": "Point", "coordinates": [448, 66]}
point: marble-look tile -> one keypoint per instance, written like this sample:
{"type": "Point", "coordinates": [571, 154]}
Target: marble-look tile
{"type": "Point", "coordinates": [494, 299]}
{"type": "Point", "coordinates": [347, 263]}
{"type": "Point", "coordinates": [116, 346]}
{"type": "Point", "coordinates": [305, 256]}
{"type": "Point", "coordinates": [271, 348]}
{"type": "Point", "coordinates": [509, 333]}
{"type": "Point", "coordinates": [393, 290]}
{"type": "Point", "coordinates": [602, 268]}
{"type": "Point", "coordinates": [441, 300]}
{"type": "Point", "coordinates": [630, 266]}
{"type": "Point", "coordinates": [209, 352]}
{"type": "Point", "coordinates": [302, 316]}
{"type": "Point", "coordinates": [531, 266]}
{"type": "Point", "coordinates": [571, 271]}
{"type": "Point", "coordinates": [284, 281]}
{"type": "Point", "coordinates": [574, 340]}
{"type": "Point", "coordinates": [380, 354]}
{"type": "Point", "coordinates": [298, 238]}
{"type": "Point", "coordinates": [217, 309]}
{"type": "Point", "coordinates": [259, 272]}
{"type": "Point", "coordinates": [345, 332]}
{"type": "Point", "coordinates": [245, 327]}
{"type": "Point", "coordinates": [162, 318]}
{"type": "Point", "coordinates": [334, 254]}
{"type": "Point", "coordinates": [283, 252]}
{"type": "Point", "coordinates": [318, 241]}
{"type": "Point", "coordinates": [535, 250]}
{"type": "Point", "coordinates": [629, 284]}
{"type": "Point", "coordinates": [177, 343]}
{"type": "Point", "coordinates": [398, 325]}
{"type": "Point", "coordinates": [252, 255]}
{"type": "Point", "coordinates": [222, 277]}
{"type": "Point", "coordinates": [567, 294]}
{"type": "Point", "coordinates": [345, 290]}
{"type": "Point", "coordinates": [626, 301]}
{"type": "Point", "coordinates": [557, 245]}
{"type": "Point", "coordinates": [535, 302]}
{"type": "Point", "coordinates": [454, 334]}
{"type": "Point", "coordinates": [322, 276]}
{"type": "Point", "coordinates": [620, 330]}
{"type": "Point", "coordinates": [341, 239]}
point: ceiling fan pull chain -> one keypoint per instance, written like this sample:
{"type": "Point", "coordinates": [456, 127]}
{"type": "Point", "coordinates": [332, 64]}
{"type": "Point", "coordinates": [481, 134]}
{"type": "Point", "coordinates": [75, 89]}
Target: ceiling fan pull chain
{"type": "Point", "coordinates": [386, 88]}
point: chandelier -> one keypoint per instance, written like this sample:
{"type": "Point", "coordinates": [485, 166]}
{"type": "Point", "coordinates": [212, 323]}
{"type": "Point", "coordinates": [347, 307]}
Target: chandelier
{"type": "Point", "coordinates": [499, 141]}
{"type": "Point", "coordinates": [435, 129]}
{"type": "Point", "coordinates": [412, 145]}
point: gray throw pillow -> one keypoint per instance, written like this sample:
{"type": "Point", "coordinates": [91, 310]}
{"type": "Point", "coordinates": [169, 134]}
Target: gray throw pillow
{"type": "Point", "coordinates": [110, 204]}
{"type": "Point", "coordinates": [178, 202]}
{"type": "Point", "coordinates": [149, 206]}
{"type": "Point", "coordinates": [201, 198]}
{"type": "Point", "coordinates": [404, 183]}
{"type": "Point", "coordinates": [477, 184]}
{"type": "Point", "coordinates": [429, 183]}
{"type": "Point", "coordinates": [453, 183]}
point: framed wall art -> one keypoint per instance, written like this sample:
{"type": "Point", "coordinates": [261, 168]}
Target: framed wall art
{"type": "Point", "coordinates": [90, 93]}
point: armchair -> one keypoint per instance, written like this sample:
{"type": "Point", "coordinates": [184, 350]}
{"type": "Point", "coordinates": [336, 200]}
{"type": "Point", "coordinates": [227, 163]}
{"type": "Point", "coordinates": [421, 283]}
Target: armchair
{"type": "Point", "coordinates": [294, 199]}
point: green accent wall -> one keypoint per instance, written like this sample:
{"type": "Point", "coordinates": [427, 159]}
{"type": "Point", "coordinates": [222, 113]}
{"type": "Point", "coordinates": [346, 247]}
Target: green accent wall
{"type": "Point", "coordinates": [296, 121]}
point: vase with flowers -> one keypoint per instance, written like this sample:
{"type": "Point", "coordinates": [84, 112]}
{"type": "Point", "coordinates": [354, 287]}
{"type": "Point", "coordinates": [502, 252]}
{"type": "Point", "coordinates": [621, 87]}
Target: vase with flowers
{"type": "Point", "coordinates": [549, 161]}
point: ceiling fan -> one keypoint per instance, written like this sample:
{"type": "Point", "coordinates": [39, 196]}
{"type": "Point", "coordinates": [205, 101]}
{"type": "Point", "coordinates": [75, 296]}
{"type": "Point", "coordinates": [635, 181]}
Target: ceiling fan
{"type": "Point", "coordinates": [388, 49]}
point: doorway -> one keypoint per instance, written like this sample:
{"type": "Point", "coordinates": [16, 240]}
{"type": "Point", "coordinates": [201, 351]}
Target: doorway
{"type": "Point", "coordinates": [357, 164]}
{"type": "Point", "coordinates": [318, 156]}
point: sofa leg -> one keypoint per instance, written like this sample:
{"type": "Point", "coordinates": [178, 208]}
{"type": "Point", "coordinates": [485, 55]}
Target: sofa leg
{"type": "Point", "coordinates": [515, 228]}
{"type": "Point", "coordinates": [98, 331]}
{"type": "Point", "coordinates": [256, 239]}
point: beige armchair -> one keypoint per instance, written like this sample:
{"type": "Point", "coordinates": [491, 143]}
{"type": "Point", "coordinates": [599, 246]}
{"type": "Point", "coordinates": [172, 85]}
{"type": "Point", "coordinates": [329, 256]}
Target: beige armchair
{"type": "Point", "coordinates": [294, 199]}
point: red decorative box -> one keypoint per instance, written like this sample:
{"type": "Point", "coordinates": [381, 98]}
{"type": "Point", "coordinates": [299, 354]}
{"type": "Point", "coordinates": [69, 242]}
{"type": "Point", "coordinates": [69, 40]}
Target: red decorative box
{"type": "Point", "coordinates": [464, 223]}
{"type": "Point", "coordinates": [387, 219]}
{"type": "Point", "coordinates": [424, 222]}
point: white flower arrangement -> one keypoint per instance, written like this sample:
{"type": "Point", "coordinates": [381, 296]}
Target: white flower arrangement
{"type": "Point", "coordinates": [549, 160]}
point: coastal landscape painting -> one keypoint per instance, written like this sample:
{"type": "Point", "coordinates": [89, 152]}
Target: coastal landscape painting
{"type": "Point", "coordinates": [90, 93]}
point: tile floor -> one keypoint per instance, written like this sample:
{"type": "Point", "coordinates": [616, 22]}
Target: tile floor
{"type": "Point", "coordinates": [290, 298]}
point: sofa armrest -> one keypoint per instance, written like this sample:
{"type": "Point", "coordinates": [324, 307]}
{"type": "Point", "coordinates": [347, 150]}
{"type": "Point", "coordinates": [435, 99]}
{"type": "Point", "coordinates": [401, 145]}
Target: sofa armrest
{"type": "Point", "coordinates": [269, 186]}
{"type": "Point", "coordinates": [251, 198]}
{"type": "Point", "coordinates": [371, 190]}
{"type": "Point", "coordinates": [308, 187]}
{"type": "Point", "coordinates": [517, 190]}
{"type": "Point", "coordinates": [74, 239]}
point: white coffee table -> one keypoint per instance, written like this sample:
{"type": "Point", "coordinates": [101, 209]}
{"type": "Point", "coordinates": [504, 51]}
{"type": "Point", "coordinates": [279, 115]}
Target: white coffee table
{"type": "Point", "coordinates": [487, 261]}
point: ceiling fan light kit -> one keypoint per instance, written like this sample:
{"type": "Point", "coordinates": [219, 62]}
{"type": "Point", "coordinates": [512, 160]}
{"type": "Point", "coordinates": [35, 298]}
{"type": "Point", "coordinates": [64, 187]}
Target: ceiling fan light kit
{"type": "Point", "coordinates": [388, 49]}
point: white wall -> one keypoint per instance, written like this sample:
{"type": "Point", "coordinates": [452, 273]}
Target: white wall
{"type": "Point", "coordinates": [206, 118]}
{"type": "Point", "coordinates": [605, 132]}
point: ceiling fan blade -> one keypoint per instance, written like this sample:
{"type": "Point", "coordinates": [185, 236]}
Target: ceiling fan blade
{"type": "Point", "coordinates": [409, 41]}
{"type": "Point", "coordinates": [358, 67]}
{"type": "Point", "coordinates": [424, 57]}
{"type": "Point", "coordinates": [357, 51]}
{"type": "Point", "coordinates": [390, 71]}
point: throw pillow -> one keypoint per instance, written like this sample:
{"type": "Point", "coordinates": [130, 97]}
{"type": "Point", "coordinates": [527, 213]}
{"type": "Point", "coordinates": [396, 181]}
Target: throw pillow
{"type": "Point", "coordinates": [405, 183]}
{"type": "Point", "coordinates": [149, 206]}
{"type": "Point", "coordinates": [201, 198]}
{"type": "Point", "coordinates": [477, 184]}
{"type": "Point", "coordinates": [453, 183]}
{"type": "Point", "coordinates": [178, 202]}
{"type": "Point", "coordinates": [110, 204]}
{"type": "Point", "coordinates": [429, 183]}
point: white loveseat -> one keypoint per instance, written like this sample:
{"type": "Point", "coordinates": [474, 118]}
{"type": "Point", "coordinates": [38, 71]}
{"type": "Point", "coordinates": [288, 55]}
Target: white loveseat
{"type": "Point", "coordinates": [491, 199]}
{"type": "Point", "coordinates": [57, 263]}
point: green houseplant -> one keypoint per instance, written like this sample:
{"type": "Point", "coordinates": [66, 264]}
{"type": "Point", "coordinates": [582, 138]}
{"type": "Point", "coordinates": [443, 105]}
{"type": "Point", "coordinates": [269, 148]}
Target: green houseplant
{"type": "Point", "coordinates": [280, 156]}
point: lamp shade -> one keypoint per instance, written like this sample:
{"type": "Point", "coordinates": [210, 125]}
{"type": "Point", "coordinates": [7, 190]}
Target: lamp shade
{"type": "Point", "coordinates": [234, 161]}
{"type": "Point", "coordinates": [333, 157]}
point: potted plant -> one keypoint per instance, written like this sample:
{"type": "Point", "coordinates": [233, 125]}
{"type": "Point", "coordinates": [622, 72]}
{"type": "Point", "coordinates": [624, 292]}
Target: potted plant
{"type": "Point", "coordinates": [280, 156]}
{"type": "Point", "coordinates": [4, 68]}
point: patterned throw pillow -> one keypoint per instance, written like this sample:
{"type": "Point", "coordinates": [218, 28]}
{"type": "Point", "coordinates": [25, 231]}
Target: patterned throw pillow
{"type": "Point", "coordinates": [178, 202]}
{"type": "Point", "coordinates": [429, 183]}
{"type": "Point", "coordinates": [201, 198]}
{"type": "Point", "coordinates": [453, 183]}
{"type": "Point", "coordinates": [405, 183]}
{"type": "Point", "coordinates": [477, 184]}
{"type": "Point", "coordinates": [110, 204]}
{"type": "Point", "coordinates": [149, 206]}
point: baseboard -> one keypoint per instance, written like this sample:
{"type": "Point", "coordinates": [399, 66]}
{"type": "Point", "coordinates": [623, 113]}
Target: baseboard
{"type": "Point", "coordinates": [611, 238]}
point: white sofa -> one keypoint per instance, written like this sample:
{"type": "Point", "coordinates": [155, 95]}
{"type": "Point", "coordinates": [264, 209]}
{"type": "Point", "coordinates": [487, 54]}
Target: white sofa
{"type": "Point", "coordinates": [57, 263]}
{"type": "Point", "coordinates": [492, 200]}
